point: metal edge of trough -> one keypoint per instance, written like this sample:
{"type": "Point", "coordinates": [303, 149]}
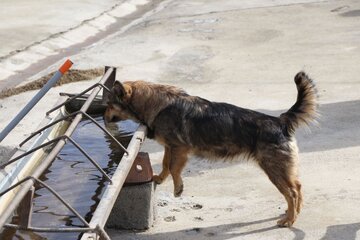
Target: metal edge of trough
{"type": "Point", "coordinates": [109, 197]}
{"type": "Point", "coordinates": [49, 158]}
{"type": "Point", "coordinates": [26, 166]}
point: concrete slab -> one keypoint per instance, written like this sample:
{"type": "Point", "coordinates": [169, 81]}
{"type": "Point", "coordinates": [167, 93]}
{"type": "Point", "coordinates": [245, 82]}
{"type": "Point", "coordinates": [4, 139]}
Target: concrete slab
{"type": "Point", "coordinates": [25, 22]}
{"type": "Point", "coordinates": [134, 208]}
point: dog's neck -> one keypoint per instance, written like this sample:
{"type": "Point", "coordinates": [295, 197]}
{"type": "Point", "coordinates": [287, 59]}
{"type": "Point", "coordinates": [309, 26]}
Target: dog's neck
{"type": "Point", "coordinates": [149, 99]}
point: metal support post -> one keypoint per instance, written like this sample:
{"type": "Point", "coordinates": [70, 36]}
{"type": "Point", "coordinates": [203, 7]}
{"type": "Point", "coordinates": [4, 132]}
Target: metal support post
{"type": "Point", "coordinates": [109, 83]}
{"type": "Point", "coordinates": [25, 209]}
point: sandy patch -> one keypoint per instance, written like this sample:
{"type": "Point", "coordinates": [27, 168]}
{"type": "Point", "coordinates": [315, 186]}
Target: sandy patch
{"type": "Point", "coordinates": [73, 75]}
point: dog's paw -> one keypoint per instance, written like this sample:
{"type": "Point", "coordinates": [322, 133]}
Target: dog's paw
{"type": "Point", "coordinates": [298, 209]}
{"type": "Point", "coordinates": [157, 179]}
{"type": "Point", "coordinates": [285, 222]}
{"type": "Point", "coordinates": [178, 190]}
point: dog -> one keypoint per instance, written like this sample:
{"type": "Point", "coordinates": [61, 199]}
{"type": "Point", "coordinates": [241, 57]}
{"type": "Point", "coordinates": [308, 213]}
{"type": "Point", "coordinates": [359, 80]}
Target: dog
{"type": "Point", "coordinates": [186, 124]}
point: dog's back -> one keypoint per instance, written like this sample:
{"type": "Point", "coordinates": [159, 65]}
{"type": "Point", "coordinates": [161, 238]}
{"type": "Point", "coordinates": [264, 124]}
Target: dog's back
{"type": "Point", "coordinates": [216, 130]}
{"type": "Point", "coordinates": [221, 130]}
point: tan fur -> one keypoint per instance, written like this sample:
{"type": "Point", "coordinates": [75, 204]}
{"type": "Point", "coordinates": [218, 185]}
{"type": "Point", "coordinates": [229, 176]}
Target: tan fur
{"type": "Point", "coordinates": [149, 99]}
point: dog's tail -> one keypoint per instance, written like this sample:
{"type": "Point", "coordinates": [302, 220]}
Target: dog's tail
{"type": "Point", "coordinates": [304, 111]}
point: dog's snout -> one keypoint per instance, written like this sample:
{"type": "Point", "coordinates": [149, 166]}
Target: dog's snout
{"type": "Point", "coordinates": [111, 115]}
{"type": "Point", "coordinates": [108, 116]}
{"type": "Point", "coordinates": [107, 119]}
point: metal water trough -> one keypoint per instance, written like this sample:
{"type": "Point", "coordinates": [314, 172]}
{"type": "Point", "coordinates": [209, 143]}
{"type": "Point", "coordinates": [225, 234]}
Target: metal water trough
{"type": "Point", "coordinates": [23, 170]}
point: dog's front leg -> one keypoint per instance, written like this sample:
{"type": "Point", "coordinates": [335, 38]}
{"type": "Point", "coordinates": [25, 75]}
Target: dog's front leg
{"type": "Point", "coordinates": [165, 167]}
{"type": "Point", "coordinates": [179, 157]}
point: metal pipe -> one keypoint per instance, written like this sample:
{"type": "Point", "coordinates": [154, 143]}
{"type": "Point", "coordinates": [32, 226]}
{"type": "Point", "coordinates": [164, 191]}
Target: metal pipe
{"type": "Point", "coordinates": [78, 95]}
{"type": "Point", "coordinates": [49, 229]}
{"type": "Point", "coordinates": [53, 141]}
{"type": "Point", "coordinates": [15, 185]}
{"type": "Point", "coordinates": [2, 166]}
{"type": "Point", "coordinates": [58, 74]}
{"type": "Point", "coordinates": [71, 115]}
{"type": "Point", "coordinates": [63, 201]}
{"type": "Point", "coordinates": [50, 158]}
{"type": "Point", "coordinates": [101, 233]}
{"type": "Point", "coordinates": [33, 179]}
{"type": "Point", "coordinates": [107, 132]}
{"type": "Point", "coordinates": [90, 159]}
{"type": "Point", "coordinates": [47, 126]}
{"type": "Point", "coordinates": [108, 199]}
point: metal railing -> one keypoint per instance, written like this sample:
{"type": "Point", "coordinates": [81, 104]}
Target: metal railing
{"type": "Point", "coordinates": [94, 229]}
{"type": "Point", "coordinates": [107, 201]}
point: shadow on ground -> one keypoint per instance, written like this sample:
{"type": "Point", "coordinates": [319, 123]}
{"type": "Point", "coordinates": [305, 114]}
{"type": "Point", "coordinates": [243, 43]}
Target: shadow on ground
{"type": "Point", "coordinates": [220, 232]}
{"type": "Point", "coordinates": [343, 231]}
{"type": "Point", "coordinates": [233, 230]}
{"type": "Point", "coordinates": [339, 127]}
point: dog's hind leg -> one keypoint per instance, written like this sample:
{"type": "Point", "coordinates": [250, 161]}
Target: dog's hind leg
{"type": "Point", "coordinates": [282, 174]}
{"type": "Point", "coordinates": [165, 167]}
{"type": "Point", "coordinates": [300, 197]}
{"type": "Point", "coordinates": [179, 157]}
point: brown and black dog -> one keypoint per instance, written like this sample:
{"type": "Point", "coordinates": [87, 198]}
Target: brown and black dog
{"type": "Point", "coordinates": [186, 124]}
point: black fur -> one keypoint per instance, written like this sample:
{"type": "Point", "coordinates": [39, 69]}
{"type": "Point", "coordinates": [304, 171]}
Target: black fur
{"type": "Point", "coordinates": [205, 125]}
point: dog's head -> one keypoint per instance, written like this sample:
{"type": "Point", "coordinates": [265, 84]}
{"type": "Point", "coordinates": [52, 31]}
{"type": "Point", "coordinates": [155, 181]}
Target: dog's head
{"type": "Point", "coordinates": [119, 104]}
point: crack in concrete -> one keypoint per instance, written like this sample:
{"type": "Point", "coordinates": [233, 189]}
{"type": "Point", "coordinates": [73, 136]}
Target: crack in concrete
{"type": "Point", "coordinates": [232, 10]}
{"type": "Point", "coordinates": [25, 69]}
{"type": "Point", "coordinates": [55, 35]}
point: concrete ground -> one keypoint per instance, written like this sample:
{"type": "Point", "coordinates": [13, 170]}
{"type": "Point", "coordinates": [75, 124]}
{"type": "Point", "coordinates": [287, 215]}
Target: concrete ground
{"type": "Point", "coordinates": [246, 53]}
{"type": "Point", "coordinates": [19, 17]}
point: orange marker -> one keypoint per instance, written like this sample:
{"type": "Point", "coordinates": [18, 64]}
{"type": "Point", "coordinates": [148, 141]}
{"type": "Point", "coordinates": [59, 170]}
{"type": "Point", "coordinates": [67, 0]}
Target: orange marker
{"type": "Point", "coordinates": [52, 81]}
{"type": "Point", "coordinates": [66, 66]}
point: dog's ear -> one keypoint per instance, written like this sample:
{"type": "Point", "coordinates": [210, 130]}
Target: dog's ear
{"type": "Point", "coordinates": [118, 89]}
{"type": "Point", "coordinates": [123, 91]}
